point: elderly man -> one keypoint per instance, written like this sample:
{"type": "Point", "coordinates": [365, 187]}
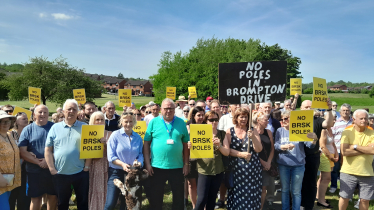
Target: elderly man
{"type": "Point", "coordinates": [215, 106]}
{"type": "Point", "coordinates": [111, 119]}
{"type": "Point", "coordinates": [169, 153]}
{"type": "Point", "coordinates": [155, 109]}
{"type": "Point", "coordinates": [357, 149]}
{"type": "Point", "coordinates": [8, 109]}
{"type": "Point", "coordinates": [62, 155]}
{"type": "Point", "coordinates": [273, 124]}
{"type": "Point", "coordinates": [39, 178]}
{"type": "Point", "coordinates": [89, 109]}
{"type": "Point", "coordinates": [191, 103]}
{"type": "Point", "coordinates": [339, 126]}
{"type": "Point", "coordinates": [312, 157]}
{"type": "Point", "coordinates": [334, 107]}
{"type": "Point", "coordinates": [179, 110]}
{"type": "Point", "coordinates": [201, 104]}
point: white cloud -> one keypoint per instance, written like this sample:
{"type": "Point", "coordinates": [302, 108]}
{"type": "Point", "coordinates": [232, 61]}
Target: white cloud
{"type": "Point", "coordinates": [61, 16]}
{"type": "Point", "coordinates": [42, 15]}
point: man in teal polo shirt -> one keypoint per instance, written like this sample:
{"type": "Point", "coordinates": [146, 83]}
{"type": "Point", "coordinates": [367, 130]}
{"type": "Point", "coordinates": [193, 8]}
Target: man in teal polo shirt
{"type": "Point", "coordinates": [166, 142]}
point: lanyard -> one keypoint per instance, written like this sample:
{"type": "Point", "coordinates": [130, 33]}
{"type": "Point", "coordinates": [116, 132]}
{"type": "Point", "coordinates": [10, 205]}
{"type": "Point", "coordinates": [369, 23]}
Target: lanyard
{"type": "Point", "coordinates": [171, 124]}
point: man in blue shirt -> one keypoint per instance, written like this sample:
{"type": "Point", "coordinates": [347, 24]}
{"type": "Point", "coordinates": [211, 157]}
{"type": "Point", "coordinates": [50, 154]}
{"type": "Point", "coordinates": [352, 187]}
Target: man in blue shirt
{"type": "Point", "coordinates": [62, 155]}
{"type": "Point", "coordinates": [39, 179]}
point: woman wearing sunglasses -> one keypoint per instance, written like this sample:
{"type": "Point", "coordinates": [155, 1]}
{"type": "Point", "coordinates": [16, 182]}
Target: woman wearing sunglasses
{"type": "Point", "coordinates": [291, 163]}
{"type": "Point", "coordinates": [124, 146]}
{"type": "Point", "coordinates": [138, 114]}
{"type": "Point", "coordinates": [186, 110]}
{"type": "Point", "coordinates": [210, 170]}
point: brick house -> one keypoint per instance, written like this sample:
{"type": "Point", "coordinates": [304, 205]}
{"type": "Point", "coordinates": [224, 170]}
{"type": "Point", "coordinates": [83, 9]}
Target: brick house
{"type": "Point", "coordinates": [112, 84]}
{"type": "Point", "coordinates": [338, 87]}
{"type": "Point", "coordinates": [139, 87]}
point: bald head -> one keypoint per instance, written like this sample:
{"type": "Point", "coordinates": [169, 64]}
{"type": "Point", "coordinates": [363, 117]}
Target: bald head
{"type": "Point", "coordinates": [306, 105]}
{"type": "Point", "coordinates": [41, 106]}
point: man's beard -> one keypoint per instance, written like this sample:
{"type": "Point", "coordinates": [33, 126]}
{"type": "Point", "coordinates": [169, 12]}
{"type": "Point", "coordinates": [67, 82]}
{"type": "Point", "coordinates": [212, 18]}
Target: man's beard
{"type": "Point", "coordinates": [87, 116]}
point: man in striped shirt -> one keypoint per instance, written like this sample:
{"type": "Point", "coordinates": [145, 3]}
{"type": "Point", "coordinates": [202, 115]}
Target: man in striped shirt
{"type": "Point", "coordinates": [339, 126]}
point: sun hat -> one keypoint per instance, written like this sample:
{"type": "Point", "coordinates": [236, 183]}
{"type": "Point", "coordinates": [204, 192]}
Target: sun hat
{"type": "Point", "coordinates": [4, 115]}
{"type": "Point", "coordinates": [181, 98]}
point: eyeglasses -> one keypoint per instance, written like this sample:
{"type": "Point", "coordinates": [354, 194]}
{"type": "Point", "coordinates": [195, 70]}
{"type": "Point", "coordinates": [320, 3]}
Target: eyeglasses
{"type": "Point", "coordinates": [334, 105]}
{"type": "Point", "coordinates": [20, 113]}
{"type": "Point", "coordinates": [284, 119]}
{"type": "Point", "coordinates": [213, 120]}
{"type": "Point", "coordinates": [148, 112]}
{"type": "Point", "coordinates": [191, 104]}
{"type": "Point", "coordinates": [186, 111]}
{"type": "Point", "coordinates": [223, 106]}
{"type": "Point", "coordinates": [138, 114]}
{"type": "Point", "coordinates": [127, 113]}
{"type": "Point", "coordinates": [8, 111]}
{"type": "Point", "coordinates": [209, 100]}
{"type": "Point", "coordinates": [169, 109]}
{"type": "Point", "coordinates": [8, 122]}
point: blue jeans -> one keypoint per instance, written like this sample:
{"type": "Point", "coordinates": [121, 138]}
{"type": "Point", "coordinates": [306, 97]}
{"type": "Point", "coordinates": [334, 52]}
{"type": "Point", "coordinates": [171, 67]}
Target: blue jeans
{"type": "Point", "coordinates": [80, 182]}
{"type": "Point", "coordinates": [4, 201]}
{"type": "Point", "coordinates": [291, 177]}
{"type": "Point", "coordinates": [335, 173]}
{"type": "Point", "coordinates": [112, 191]}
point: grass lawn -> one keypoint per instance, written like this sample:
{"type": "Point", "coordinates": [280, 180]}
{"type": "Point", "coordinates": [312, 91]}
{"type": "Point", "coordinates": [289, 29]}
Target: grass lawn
{"type": "Point", "coordinates": [138, 100]}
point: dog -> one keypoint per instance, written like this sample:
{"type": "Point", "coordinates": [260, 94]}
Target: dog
{"type": "Point", "coordinates": [132, 189]}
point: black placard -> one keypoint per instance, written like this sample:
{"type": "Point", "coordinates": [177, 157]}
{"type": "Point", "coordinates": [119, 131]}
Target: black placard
{"type": "Point", "coordinates": [252, 82]}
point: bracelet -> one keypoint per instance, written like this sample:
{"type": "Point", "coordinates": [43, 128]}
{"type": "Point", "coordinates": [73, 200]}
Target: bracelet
{"type": "Point", "coordinates": [186, 164]}
{"type": "Point", "coordinates": [327, 110]}
{"type": "Point", "coordinates": [87, 167]}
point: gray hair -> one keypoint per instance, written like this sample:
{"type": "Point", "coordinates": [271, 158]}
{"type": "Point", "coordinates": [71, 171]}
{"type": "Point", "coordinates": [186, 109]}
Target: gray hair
{"type": "Point", "coordinates": [256, 117]}
{"type": "Point", "coordinates": [263, 104]}
{"type": "Point", "coordinates": [41, 105]}
{"type": "Point", "coordinates": [333, 103]}
{"type": "Point", "coordinates": [186, 108]}
{"type": "Point", "coordinates": [109, 103]}
{"type": "Point", "coordinates": [360, 110]}
{"type": "Point", "coordinates": [168, 100]}
{"type": "Point", "coordinates": [68, 101]}
{"type": "Point", "coordinates": [346, 106]}
{"type": "Point", "coordinates": [288, 101]}
{"type": "Point", "coordinates": [93, 116]}
{"type": "Point", "coordinates": [286, 113]}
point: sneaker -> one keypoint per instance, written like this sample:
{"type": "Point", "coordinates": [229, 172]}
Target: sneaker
{"type": "Point", "coordinates": [302, 208]}
{"type": "Point", "coordinates": [332, 190]}
{"type": "Point", "coordinates": [357, 204]}
{"type": "Point", "coordinates": [220, 204]}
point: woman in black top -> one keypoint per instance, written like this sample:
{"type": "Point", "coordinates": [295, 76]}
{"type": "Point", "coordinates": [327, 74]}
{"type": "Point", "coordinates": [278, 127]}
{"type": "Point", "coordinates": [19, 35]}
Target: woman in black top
{"type": "Point", "coordinates": [260, 122]}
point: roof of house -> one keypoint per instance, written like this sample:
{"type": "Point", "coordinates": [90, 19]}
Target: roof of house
{"type": "Point", "coordinates": [337, 86]}
{"type": "Point", "coordinates": [136, 82]}
{"type": "Point", "coordinates": [113, 80]}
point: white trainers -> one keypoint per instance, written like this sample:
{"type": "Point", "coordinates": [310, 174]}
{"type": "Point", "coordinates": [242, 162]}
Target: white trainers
{"type": "Point", "coordinates": [302, 208]}
{"type": "Point", "coordinates": [357, 204]}
{"type": "Point", "coordinates": [332, 190]}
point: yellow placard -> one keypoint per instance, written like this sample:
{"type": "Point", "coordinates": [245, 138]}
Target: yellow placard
{"type": "Point", "coordinates": [140, 128]}
{"type": "Point", "coordinates": [295, 86]}
{"type": "Point", "coordinates": [91, 146]}
{"type": "Point", "coordinates": [301, 123]}
{"type": "Point", "coordinates": [35, 95]}
{"type": "Point", "coordinates": [171, 92]}
{"type": "Point", "coordinates": [319, 93]}
{"type": "Point", "coordinates": [19, 109]}
{"type": "Point", "coordinates": [80, 95]}
{"type": "Point", "coordinates": [124, 97]}
{"type": "Point", "coordinates": [192, 92]}
{"type": "Point", "coordinates": [201, 141]}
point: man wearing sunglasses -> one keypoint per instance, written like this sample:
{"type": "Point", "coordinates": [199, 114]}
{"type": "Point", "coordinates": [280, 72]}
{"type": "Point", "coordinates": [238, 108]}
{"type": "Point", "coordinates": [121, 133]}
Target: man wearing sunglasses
{"type": "Point", "coordinates": [191, 103]}
{"type": "Point", "coordinates": [155, 109]}
{"type": "Point", "coordinates": [8, 109]}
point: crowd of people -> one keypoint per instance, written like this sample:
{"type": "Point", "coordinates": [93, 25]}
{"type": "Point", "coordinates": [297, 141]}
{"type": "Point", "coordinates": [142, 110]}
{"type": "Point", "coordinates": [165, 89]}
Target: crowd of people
{"type": "Point", "coordinates": [40, 159]}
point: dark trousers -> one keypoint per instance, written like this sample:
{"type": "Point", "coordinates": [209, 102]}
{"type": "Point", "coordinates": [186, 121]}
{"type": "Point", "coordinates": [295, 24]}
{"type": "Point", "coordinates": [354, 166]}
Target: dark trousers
{"type": "Point", "coordinates": [114, 192]}
{"type": "Point", "coordinates": [19, 194]}
{"type": "Point", "coordinates": [335, 173]}
{"type": "Point", "coordinates": [207, 189]}
{"type": "Point", "coordinates": [176, 180]}
{"type": "Point", "coordinates": [80, 182]}
{"type": "Point", "coordinates": [309, 188]}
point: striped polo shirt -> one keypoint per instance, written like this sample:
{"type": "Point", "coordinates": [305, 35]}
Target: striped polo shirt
{"type": "Point", "coordinates": [338, 129]}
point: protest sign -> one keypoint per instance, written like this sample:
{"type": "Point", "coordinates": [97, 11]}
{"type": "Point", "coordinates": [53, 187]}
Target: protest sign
{"type": "Point", "coordinates": [35, 95]}
{"type": "Point", "coordinates": [301, 123]}
{"type": "Point", "coordinates": [171, 92]}
{"type": "Point", "coordinates": [140, 128]}
{"type": "Point", "coordinates": [319, 94]}
{"type": "Point", "coordinates": [80, 95]}
{"type": "Point", "coordinates": [295, 86]}
{"type": "Point", "coordinates": [252, 82]}
{"type": "Point", "coordinates": [124, 97]}
{"type": "Point", "coordinates": [192, 92]}
{"type": "Point", "coordinates": [201, 141]}
{"type": "Point", "coordinates": [91, 146]}
{"type": "Point", "coordinates": [19, 109]}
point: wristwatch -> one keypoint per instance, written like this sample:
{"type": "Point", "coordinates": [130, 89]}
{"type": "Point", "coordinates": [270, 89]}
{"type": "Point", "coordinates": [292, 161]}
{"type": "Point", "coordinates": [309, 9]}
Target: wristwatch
{"type": "Point", "coordinates": [355, 147]}
{"type": "Point", "coordinates": [87, 167]}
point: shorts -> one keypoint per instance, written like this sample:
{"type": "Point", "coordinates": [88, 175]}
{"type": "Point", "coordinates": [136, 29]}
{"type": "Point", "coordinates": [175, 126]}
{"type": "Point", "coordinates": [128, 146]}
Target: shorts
{"type": "Point", "coordinates": [266, 178]}
{"type": "Point", "coordinates": [193, 170]}
{"type": "Point", "coordinates": [325, 164]}
{"type": "Point", "coordinates": [39, 184]}
{"type": "Point", "coordinates": [348, 184]}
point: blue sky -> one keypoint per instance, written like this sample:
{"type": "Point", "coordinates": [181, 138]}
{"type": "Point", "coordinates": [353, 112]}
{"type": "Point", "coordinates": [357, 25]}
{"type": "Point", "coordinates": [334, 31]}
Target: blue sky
{"type": "Point", "coordinates": [334, 39]}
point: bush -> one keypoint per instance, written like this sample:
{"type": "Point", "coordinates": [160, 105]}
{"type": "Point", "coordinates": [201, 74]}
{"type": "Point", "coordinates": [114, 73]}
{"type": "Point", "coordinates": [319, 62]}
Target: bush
{"type": "Point", "coordinates": [308, 91]}
{"type": "Point", "coordinates": [364, 91]}
{"type": "Point", "coordinates": [371, 93]}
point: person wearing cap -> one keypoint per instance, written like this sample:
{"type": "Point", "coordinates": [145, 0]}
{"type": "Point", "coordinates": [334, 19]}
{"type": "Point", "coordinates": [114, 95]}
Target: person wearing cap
{"type": "Point", "coordinates": [208, 100]}
{"type": "Point", "coordinates": [179, 110]}
{"type": "Point", "coordinates": [277, 105]}
{"type": "Point", "coordinates": [10, 168]}
{"type": "Point", "coordinates": [334, 107]}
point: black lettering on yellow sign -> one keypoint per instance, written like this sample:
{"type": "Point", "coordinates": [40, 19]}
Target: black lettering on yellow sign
{"type": "Point", "coordinates": [141, 133]}
{"type": "Point", "coordinates": [301, 131]}
{"type": "Point", "coordinates": [320, 99]}
{"type": "Point", "coordinates": [201, 140]}
{"type": "Point", "coordinates": [320, 92]}
{"type": "Point", "coordinates": [124, 97]}
{"type": "Point", "coordinates": [301, 125]}
{"type": "Point", "coordinates": [320, 85]}
{"type": "Point", "coordinates": [205, 147]}
{"type": "Point", "coordinates": [171, 93]}
{"type": "Point", "coordinates": [91, 148]}
{"type": "Point", "coordinates": [125, 101]}
{"type": "Point", "coordinates": [34, 91]}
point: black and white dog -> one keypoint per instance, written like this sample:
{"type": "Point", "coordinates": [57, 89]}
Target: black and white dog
{"type": "Point", "coordinates": [132, 190]}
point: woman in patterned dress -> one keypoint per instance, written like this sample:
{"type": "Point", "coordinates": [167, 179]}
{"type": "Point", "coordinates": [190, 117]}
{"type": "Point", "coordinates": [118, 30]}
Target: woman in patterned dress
{"type": "Point", "coordinates": [98, 170]}
{"type": "Point", "coordinates": [246, 166]}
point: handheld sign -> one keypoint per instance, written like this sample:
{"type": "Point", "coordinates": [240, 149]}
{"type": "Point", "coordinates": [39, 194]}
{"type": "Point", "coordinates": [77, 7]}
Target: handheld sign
{"type": "Point", "coordinates": [295, 86]}
{"type": "Point", "coordinates": [252, 82]}
{"type": "Point", "coordinates": [201, 141]}
{"type": "Point", "coordinates": [19, 109]}
{"type": "Point", "coordinates": [35, 95]}
{"type": "Point", "coordinates": [319, 93]}
{"type": "Point", "coordinates": [91, 146]}
{"type": "Point", "coordinates": [124, 97]}
{"type": "Point", "coordinates": [192, 92]}
{"type": "Point", "coordinates": [301, 123]}
{"type": "Point", "coordinates": [140, 128]}
{"type": "Point", "coordinates": [171, 92]}
{"type": "Point", "coordinates": [80, 95]}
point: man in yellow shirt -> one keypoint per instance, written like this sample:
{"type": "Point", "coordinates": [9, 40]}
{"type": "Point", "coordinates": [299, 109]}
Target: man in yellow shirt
{"type": "Point", "coordinates": [357, 148]}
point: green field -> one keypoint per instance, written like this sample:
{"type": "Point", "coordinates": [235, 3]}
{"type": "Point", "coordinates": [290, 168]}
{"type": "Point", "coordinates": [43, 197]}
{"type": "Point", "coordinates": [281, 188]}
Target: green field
{"type": "Point", "coordinates": [139, 101]}
{"type": "Point", "coordinates": [357, 101]}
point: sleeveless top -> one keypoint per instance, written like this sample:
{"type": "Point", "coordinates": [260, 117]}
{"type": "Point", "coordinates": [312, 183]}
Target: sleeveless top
{"type": "Point", "coordinates": [330, 141]}
{"type": "Point", "coordinates": [266, 145]}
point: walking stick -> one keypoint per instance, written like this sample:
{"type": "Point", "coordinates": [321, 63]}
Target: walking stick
{"type": "Point", "coordinates": [250, 126]}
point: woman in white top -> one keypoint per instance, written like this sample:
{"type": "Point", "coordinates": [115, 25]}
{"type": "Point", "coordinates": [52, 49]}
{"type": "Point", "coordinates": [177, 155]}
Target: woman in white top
{"type": "Point", "coordinates": [328, 157]}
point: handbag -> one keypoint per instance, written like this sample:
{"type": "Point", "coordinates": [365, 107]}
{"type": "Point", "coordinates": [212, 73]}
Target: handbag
{"type": "Point", "coordinates": [273, 171]}
{"type": "Point", "coordinates": [229, 178]}
{"type": "Point", "coordinates": [10, 177]}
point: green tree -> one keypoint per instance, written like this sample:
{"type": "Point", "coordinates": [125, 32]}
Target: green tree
{"type": "Point", "coordinates": [371, 93]}
{"type": "Point", "coordinates": [120, 76]}
{"type": "Point", "coordinates": [3, 89]}
{"type": "Point", "coordinates": [57, 79]}
{"type": "Point", "coordinates": [199, 67]}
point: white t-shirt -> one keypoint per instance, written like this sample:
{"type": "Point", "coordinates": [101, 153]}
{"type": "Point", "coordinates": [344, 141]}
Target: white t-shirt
{"type": "Point", "coordinates": [148, 118]}
{"type": "Point", "coordinates": [225, 122]}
